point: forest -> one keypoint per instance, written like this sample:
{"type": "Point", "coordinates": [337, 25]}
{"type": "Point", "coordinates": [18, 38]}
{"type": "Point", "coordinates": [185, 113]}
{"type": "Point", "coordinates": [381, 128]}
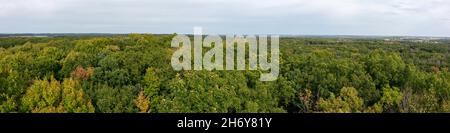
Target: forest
{"type": "Point", "coordinates": [132, 74]}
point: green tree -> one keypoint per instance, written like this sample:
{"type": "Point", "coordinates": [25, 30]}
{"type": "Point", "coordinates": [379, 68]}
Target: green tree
{"type": "Point", "coordinates": [347, 102]}
{"type": "Point", "coordinates": [391, 99]}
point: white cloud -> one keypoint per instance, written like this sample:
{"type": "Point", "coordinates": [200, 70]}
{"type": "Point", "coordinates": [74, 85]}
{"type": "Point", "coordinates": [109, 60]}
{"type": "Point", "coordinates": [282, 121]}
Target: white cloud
{"type": "Point", "coordinates": [10, 8]}
{"type": "Point", "coordinates": [386, 17]}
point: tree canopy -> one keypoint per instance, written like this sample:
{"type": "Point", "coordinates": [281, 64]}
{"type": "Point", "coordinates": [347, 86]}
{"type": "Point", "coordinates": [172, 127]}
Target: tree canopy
{"type": "Point", "coordinates": [132, 73]}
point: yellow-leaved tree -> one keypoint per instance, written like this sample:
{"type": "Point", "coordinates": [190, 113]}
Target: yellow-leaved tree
{"type": "Point", "coordinates": [49, 96]}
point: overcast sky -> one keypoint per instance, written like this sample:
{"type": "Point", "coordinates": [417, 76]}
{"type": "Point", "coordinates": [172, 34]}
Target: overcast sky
{"type": "Point", "coordinates": [307, 17]}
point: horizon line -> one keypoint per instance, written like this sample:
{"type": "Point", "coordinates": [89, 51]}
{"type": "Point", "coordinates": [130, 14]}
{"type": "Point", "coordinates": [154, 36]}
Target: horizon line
{"type": "Point", "coordinates": [281, 34]}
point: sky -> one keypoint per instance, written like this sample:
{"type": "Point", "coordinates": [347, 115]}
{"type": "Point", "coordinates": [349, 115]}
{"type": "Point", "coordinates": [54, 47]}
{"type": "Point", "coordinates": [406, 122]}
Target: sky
{"type": "Point", "coordinates": [300, 17]}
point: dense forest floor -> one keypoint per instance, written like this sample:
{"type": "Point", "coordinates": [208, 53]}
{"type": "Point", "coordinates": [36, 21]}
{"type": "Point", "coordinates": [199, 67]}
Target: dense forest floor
{"type": "Point", "coordinates": [132, 73]}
